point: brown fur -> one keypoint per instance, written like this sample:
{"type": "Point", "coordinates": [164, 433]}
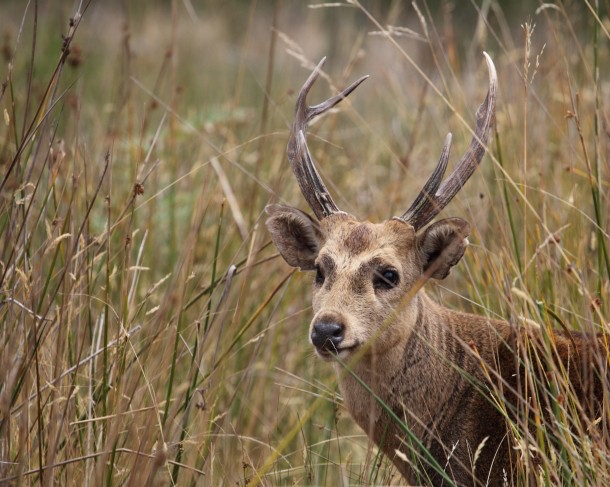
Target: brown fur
{"type": "Point", "coordinates": [434, 367]}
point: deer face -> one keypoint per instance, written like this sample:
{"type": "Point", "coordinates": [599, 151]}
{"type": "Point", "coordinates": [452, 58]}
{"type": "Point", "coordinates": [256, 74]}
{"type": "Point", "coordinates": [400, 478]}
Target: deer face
{"type": "Point", "coordinates": [364, 273]}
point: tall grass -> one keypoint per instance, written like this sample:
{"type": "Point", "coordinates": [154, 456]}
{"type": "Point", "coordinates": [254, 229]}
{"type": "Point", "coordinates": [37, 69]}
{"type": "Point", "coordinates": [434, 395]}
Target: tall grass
{"type": "Point", "coordinates": [149, 333]}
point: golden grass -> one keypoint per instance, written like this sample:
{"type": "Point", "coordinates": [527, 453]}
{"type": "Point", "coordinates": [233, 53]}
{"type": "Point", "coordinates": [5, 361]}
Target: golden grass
{"type": "Point", "coordinates": [148, 332]}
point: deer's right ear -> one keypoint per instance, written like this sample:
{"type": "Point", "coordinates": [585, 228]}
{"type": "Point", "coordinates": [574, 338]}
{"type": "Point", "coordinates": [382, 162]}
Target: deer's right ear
{"type": "Point", "coordinates": [295, 234]}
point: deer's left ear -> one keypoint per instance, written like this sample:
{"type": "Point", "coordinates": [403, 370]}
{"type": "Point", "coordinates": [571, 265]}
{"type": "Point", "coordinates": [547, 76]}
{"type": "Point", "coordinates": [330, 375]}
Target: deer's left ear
{"type": "Point", "coordinates": [442, 245]}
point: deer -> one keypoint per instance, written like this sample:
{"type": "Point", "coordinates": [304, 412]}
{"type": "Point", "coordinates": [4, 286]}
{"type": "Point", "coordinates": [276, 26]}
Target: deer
{"type": "Point", "coordinates": [422, 380]}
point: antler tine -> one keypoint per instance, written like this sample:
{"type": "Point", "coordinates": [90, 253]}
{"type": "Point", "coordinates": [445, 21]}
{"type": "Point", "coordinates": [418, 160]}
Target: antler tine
{"type": "Point", "coordinates": [425, 199]}
{"type": "Point", "coordinates": [429, 203]}
{"type": "Point", "coordinates": [300, 159]}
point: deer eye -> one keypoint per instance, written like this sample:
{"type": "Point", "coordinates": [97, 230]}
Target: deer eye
{"type": "Point", "coordinates": [385, 279]}
{"type": "Point", "coordinates": [319, 275]}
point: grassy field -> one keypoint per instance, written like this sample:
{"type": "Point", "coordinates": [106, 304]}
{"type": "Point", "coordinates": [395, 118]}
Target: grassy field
{"type": "Point", "coordinates": [149, 332]}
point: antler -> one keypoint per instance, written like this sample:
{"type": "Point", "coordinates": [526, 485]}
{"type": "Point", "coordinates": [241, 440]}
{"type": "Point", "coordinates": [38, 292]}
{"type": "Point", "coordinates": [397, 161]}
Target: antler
{"type": "Point", "coordinates": [435, 196]}
{"type": "Point", "coordinates": [300, 159]}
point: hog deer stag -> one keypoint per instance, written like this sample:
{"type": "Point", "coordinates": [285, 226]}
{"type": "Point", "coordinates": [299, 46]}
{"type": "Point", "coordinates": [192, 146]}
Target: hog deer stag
{"type": "Point", "coordinates": [432, 368]}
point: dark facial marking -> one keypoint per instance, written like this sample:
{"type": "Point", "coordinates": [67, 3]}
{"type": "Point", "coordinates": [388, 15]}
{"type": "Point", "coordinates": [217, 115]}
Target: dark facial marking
{"type": "Point", "coordinates": [368, 272]}
{"type": "Point", "coordinates": [328, 268]}
{"type": "Point", "coordinates": [358, 240]}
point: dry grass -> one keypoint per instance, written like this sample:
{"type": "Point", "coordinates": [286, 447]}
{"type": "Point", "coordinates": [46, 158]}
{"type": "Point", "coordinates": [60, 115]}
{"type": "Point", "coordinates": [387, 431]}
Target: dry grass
{"type": "Point", "coordinates": [148, 332]}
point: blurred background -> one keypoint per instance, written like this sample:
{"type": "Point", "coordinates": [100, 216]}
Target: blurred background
{"type": "Point", "coordinates": [150, 333]}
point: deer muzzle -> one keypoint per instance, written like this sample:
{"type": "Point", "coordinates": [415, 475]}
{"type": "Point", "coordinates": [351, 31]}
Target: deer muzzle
{"type": "Point", "coordinates": [327, 337]}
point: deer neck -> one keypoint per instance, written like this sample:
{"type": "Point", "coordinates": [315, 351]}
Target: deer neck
{"type": "Point", "coordinates": [414, 377]}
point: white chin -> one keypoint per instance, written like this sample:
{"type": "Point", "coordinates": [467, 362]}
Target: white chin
{"type": "Point", "coordinates": [326, 356]}
{"type": "Point", "coordinates": [330, 356]}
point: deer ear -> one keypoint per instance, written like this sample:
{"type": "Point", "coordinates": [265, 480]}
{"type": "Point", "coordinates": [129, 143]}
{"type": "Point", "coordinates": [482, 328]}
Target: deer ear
{"type": "Point", "coordinates": [295, 234]}
{"type": "Point", "coordinates": [442, 245]}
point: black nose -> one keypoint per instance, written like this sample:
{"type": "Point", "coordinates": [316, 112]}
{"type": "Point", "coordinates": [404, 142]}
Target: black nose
{"type": "Point", "coordinates": [327, 336]}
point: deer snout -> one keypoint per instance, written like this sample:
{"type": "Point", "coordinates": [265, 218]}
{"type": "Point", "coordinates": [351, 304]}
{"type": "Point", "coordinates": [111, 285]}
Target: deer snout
{"type": "Point", "coordinates": [327, 336]}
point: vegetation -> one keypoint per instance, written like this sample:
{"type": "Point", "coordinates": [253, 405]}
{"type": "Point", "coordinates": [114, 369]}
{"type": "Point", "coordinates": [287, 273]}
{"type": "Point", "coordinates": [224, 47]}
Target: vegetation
{"type": "Point", "coordinates": [149, 333]}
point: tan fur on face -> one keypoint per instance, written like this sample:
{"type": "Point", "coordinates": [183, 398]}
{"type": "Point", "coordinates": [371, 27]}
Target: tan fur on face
{"type": "Point", "coordinates": [355, 251]}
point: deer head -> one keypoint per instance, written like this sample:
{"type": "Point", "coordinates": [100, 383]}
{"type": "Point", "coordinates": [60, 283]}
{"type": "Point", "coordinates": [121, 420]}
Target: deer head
{"type": "Point", "coordinates": [364, 271]}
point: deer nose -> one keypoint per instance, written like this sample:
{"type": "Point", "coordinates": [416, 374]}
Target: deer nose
{"type": "Point", "coordinates": [327, 336]}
